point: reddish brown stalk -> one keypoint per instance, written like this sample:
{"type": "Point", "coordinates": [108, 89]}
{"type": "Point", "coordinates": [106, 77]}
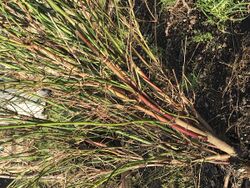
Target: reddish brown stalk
{"type": "Point", "coordinates": [117, 70]}
{"type": "Point", "coordinates": [155, 108]}
{"type": "Point", "coordinates": [188, 132]}
{"type": "Point", "coordinates": [142, 97]}
{"type": "Point", "coordinates": [186, 128]}
{"type": "Point", "coordinates": [174, 126]}
{"type": "Point", "coordinates": [146, 79]}
{"type": "Point", "coordinates": [170, 101]}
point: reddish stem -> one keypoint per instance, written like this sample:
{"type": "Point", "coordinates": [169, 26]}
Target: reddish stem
{"type": "Point", "coordinates": [188, 132]}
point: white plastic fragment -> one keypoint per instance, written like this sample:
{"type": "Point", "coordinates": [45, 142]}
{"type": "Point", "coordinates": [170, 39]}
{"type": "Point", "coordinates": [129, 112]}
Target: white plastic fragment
{"type": "Point", "coordinates": [25, 104]}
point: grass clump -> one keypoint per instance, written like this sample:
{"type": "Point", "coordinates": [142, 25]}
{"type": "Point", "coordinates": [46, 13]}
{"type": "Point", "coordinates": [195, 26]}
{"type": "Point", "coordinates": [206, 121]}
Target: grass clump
{"type": "Point", "coordinates": [113, 110]}
{"type": "Point", "coordinates": [202, 37]}
{"type": "Point", "coordinates": [167, 3]}
{"type": "Point", "coordinates": [219, 12]}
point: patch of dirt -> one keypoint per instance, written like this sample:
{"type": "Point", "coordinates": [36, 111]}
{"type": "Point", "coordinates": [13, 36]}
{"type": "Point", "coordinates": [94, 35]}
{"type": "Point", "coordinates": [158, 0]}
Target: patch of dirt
{"type": "Point", "coordinates": [4, 182]}
{"type": "Point", "coordinates": [219, 72]}
{"type": "Point", "coordinates": [217, 66]}
{"type": "Point", "coordinates": [211, 176]}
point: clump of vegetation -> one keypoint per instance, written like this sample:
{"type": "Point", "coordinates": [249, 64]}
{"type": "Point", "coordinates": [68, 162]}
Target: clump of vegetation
{"type": "Point", "coordinates": [168, 3]}
{"type": "Point", "coordinates": [219, 12]}
{"type": "Point", "coordinates": [113, 110]}
{"type": "Point", "coordinates": [202, 37]}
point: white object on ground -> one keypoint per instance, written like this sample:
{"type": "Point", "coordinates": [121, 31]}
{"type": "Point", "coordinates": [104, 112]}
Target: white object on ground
{"type": "Point", "coordinates": [26, 104]}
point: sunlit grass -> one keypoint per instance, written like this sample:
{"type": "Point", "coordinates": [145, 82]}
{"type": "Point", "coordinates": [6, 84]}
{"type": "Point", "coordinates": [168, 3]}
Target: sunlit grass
{"type": "Point", "coordinates": [113, 108]}
{"type": "Point", "coordinates": [221, 11]}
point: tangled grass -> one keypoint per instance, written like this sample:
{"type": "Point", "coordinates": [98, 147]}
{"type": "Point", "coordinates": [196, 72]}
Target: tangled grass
{"type": "Point", "coordinates": [113, 110]}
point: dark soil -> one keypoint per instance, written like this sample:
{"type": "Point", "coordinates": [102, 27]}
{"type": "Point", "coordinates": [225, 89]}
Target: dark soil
{"type": "Point", "coordinates": [218, 70]}
{"type": "Point", "coordinates": [4, 182]}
